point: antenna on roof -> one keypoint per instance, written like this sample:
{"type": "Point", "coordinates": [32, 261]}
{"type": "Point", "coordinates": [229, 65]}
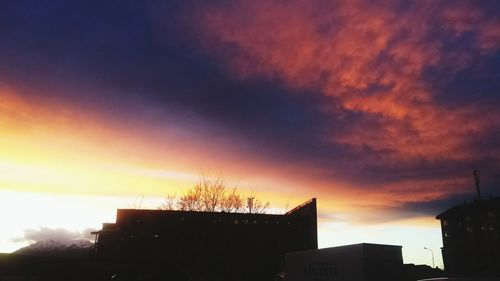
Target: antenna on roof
{"type": "Point", "coordinates": [476, 179]}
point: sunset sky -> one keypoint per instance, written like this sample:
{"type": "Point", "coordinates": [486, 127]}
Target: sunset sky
{"type": "Point", "coordinates": [380, 109]}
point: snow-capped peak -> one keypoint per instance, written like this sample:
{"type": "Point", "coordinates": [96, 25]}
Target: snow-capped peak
{"type": "Point", "coordinates": [58, 248]}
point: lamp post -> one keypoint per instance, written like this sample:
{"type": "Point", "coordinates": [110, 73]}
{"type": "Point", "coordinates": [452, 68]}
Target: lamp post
{"type": "Point", "coordinates": [432, 253]}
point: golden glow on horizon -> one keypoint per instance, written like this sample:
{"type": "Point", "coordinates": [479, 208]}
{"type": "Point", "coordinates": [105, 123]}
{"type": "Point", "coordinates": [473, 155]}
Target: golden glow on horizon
{"type": "Point", "coordinates": [43, 152]}
{"type": "Point", "coordinates": [31, 165]}
{"type": "Point", "coordinates": [54, 168]}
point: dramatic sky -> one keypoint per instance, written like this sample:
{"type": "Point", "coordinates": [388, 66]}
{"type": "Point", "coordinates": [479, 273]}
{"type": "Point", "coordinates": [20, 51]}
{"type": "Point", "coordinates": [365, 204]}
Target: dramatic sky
{"type": "Point", "coordinates": [380, 109]}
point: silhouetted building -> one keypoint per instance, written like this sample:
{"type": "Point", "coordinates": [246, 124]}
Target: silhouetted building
{"type": "Point", "coordinates": [471, 238]}
{"type": "Point", "coordinates": [210, 245]}
{"type": "Point", "coordinates": [413, 272]}
{"type": "Point", "coordinates": [358, 262]}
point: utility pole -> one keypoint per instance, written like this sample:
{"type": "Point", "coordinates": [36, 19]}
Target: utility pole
{"type": "Point", "coordinates": [476, 179]}
{"type": "Point", "coordinates": [432, 253]}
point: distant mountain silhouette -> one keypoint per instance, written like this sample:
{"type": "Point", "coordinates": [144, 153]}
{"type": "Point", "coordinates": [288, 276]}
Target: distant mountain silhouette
{"type": "Point", "coordinates": [57, 248]}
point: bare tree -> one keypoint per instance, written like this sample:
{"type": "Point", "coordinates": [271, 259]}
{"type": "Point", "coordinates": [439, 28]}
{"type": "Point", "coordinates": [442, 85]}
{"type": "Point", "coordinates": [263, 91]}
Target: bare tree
{"type": "Point", "coordinates": [255, 206]}
{"type": "Point", "coordinates": [170, 203]}
{"type": "Point", "coordinates": [212, 194]}
{"type": "Point", "coordinates": [232, 202]}
{"type": "Point", "coordinates": [209, 195]}
{"type": "Point", "coordinates": [191, 200]}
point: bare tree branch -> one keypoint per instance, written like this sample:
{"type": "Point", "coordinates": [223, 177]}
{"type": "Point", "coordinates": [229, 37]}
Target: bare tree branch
{"type": "Point", "coordinates": [191, 200]}
{"type": "Point", "coordinates": [170, 203]}
{"type": "Point", "coordinates": [210, 195]}
{"type": "Point", "coordinates": [233, 202]}
{"type": "Point", "coordinates": [255, 206]}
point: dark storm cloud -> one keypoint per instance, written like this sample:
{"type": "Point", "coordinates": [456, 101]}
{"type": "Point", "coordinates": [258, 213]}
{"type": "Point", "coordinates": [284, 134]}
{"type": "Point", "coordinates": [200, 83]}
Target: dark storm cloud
{"type": "Point", "coordinates": [435, 207]}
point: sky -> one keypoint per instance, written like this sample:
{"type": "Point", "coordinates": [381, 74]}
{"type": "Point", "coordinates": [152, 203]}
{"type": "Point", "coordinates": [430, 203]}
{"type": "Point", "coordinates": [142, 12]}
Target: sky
{"type": "Point", "coordinates": [380, 109]}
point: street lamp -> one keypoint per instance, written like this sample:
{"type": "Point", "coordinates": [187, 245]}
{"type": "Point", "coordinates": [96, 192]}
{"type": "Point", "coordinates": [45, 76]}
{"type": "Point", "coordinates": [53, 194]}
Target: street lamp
{"type": "Point", "coordinates": [432, 252]}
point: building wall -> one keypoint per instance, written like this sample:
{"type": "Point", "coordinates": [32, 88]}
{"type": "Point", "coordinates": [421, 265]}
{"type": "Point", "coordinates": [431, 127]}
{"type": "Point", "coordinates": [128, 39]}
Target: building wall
{"type": "Point", "coordinates": [216, 245]}
{"type": "Point", "coordinates": [359, 262]}
{"type": "Point", "coordinates": [471, 238]}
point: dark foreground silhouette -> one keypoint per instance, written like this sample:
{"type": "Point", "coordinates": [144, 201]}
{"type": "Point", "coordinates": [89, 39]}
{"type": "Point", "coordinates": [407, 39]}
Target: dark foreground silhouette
{"type": "Point", "coordinates": [181, 245]}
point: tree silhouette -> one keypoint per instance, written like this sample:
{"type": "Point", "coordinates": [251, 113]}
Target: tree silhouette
{"type": "Point", "coordinates": [210, 195]}
{"type": "Point", "coordinates": [232, 202]}
{"type": "Point", "coordinates": [191, 200]}
{"type": "Point", "coordinates": [255, 206]}
{"type": "Point", "coordinates": [169, 204]}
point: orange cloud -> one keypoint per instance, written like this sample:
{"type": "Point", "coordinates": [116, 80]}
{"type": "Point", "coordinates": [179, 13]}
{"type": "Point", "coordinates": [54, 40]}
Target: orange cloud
{"type": "Point", "coordinates": [370, 58]}
{"type": "Point", "coordinates": [343, 48]}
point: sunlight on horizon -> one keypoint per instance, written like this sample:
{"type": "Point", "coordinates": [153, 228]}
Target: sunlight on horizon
{"type": "Point", "coordinates": [38, 211]}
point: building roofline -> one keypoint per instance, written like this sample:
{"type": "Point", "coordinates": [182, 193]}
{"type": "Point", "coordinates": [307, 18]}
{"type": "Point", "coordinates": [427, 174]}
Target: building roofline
{"type": "Point", "coordinates": [476, 204]}
{"type": "Point", "coordinates": [291, 212]}
{"type": "Point", "coordinates": [308, 202]}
